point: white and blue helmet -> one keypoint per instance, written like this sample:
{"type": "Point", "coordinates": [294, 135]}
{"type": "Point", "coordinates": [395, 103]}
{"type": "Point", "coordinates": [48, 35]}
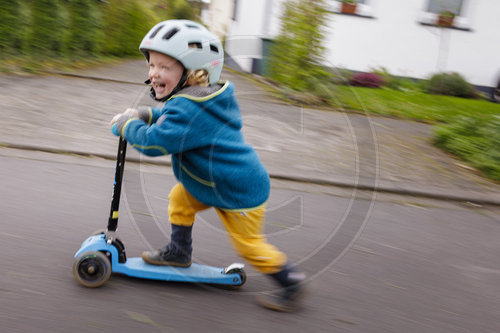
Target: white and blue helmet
{"type": "Point", "coordinates": [189, 42]}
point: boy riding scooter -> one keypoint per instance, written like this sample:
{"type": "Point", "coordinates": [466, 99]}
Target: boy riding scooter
{"type": "Point", "coordinates": [200, 127]}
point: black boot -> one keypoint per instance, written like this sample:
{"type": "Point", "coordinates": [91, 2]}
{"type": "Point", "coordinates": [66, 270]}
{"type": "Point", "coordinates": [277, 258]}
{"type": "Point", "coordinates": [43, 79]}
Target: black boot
{"type": "Point", "coordinates": [289, 297]}
{"type": "Point", "coordinates": [176, 253]}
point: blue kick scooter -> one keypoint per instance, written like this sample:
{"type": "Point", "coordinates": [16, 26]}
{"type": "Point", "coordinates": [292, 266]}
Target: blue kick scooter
{"type": "Point", "coordinates": [103, 253]}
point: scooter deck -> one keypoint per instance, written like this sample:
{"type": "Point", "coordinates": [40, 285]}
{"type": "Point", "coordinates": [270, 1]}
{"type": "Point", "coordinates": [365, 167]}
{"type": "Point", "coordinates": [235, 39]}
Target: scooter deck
{"type": "Point", "coordinates": [136, 267]}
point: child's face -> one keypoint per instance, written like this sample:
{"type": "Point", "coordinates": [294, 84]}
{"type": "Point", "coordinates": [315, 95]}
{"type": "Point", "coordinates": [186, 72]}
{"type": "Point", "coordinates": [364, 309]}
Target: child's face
{"type": "Point", "coordinates": [164, 72]}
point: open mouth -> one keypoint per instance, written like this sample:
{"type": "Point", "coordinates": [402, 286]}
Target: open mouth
{"type": "Point", "coordinates": [160, 88]}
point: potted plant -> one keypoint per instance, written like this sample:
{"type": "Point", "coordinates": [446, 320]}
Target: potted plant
{"type": "Point", "coordinates": [349, 6]}
{"type": "Point", "coordinates": [445, 18]}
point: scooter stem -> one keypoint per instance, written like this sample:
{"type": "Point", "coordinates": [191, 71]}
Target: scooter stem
{"type": "Point", "coordinates": [117, 187]}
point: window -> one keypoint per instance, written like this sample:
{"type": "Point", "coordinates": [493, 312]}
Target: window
{"type": "Point", "coordinates": [431, 10]}
{"type": "Point", "coordinates": [438, 6]}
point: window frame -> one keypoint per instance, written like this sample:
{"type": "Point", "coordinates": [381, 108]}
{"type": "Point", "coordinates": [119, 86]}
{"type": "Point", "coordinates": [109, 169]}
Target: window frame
{"type": "Point", "coordinates": [460, 22]}
{"type": "Point", "coordinates": [441, 9]}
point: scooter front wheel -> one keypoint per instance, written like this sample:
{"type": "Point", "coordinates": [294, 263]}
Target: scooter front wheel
{"type": "Point", "coordinates": [92, 269]}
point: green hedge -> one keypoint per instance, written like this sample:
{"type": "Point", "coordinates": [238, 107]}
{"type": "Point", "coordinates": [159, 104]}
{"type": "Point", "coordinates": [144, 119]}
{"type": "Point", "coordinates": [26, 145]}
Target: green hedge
{"type": "Point", "coordinates": [85, 27]}
{"type": "Point", "coordinates": [47, 29]}
{"type": "Point", "coordinates": [124, 27]}
{"type": "Point", "coordinates": [14, 26]}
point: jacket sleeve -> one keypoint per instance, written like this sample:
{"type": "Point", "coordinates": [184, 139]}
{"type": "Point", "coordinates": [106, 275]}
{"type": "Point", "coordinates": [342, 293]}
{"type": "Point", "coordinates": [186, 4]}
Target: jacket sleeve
{"type": "Point", "coordinates": [156, 112]}
{"type": "Point", "coordinates": [149, 114]}
{"type": "Point", "coordinates": [175, 131]}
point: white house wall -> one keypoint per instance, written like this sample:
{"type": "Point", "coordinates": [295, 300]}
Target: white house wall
{"type": "Point", "coordinates": [477, 54]}
{"type": "Point", "coordinates": [396, 39]}
{"type": "Point", "coordinates": [219, 16]}
{"type": "Point", "coordinates": [393, 38]}
{"type": "Point", "coordinates": [244, 40]}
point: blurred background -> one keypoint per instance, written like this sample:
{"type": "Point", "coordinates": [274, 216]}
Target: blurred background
{"type": "Point", "coordinates": [434, 61]}
{"type": "Point", "coordinates": [343, 100]}
{"type": "Point", "coordinates": [83, 28]}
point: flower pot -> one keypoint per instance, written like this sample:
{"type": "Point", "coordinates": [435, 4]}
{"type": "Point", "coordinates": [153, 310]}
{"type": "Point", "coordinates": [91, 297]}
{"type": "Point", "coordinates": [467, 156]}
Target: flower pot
{"type": "Point", "coordinates": [445, 21]}
{"type": "Point", "coordinates": [348, 8]}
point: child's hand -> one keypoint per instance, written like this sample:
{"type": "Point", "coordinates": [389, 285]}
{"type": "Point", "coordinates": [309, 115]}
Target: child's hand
{"type": "Point", "coordinates": [114, 130]}
{"type": "Point", "coordinates": [120, 119]}
{"type": "Point", "coordinates": [130, 113]}
{"type": "Point", "coordinates": [115, 118]}
{"type": "Point", "coordinates": [114, 125]}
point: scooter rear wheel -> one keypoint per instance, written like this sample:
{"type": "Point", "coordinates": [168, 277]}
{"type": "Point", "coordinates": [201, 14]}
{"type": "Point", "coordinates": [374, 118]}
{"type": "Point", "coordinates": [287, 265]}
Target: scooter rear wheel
{"type": "Point", "coordinates": [92, 269]}
{"type": "Point", "coordinates": [243, 277]}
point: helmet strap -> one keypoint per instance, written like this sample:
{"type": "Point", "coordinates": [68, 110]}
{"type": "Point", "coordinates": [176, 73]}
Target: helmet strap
{"type": "Point", "coordinates": [179, 86]}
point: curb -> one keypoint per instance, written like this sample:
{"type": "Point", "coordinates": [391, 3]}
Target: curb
{"type": "Point", "coordinates": [97, 78]}
{"type": "Point", "coordinates": [483, 198]}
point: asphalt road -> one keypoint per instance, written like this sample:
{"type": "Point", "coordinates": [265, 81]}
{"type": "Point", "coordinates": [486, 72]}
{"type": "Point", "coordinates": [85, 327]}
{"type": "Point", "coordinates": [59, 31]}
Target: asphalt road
{"type": "Point", "coordinates": [377, 263]}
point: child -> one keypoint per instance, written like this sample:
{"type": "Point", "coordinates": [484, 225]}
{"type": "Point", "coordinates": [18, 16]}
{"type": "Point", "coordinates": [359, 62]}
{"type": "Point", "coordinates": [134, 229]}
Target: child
{"type": "Point", "coordinates": [200, 126]}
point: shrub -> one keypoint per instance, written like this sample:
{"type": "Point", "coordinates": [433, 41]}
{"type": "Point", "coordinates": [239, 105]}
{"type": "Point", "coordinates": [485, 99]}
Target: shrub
{"type": "Point", "coordinates": [85, 27]}
{"type": "Point", "coordinates": [181, 9]}
{"type": "Point", "coordinates": [297, 53]}
{"type": "Point", "coordinates": [389, 80]}
{"type": "Point", "coordinates": [126, 22]}
{"type": "Point", "coordinates": [13, 25]}
{"type": "Point", "coordinates": [39, 33]}
{"type": "Point", "coordinates": [451, 84]}
{"type": "Point", "coordinates": [48, 32]}
{"type": "Point", "coordinates": [475, 140]}
{"type": "Point", "coordinates": [369, 80]}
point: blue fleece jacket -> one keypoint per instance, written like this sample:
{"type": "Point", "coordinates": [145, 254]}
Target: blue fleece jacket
{"type": "Point", "coordinates": [201, 128]}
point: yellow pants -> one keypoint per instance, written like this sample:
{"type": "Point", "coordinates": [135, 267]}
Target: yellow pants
{"type": "Point", "coordinates": [244, 227]}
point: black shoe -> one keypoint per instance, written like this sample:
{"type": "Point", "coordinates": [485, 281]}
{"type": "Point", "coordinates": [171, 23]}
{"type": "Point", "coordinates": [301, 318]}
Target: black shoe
{"type": "Point", "coordinates": [177, 253]}
{"type": "Point", "coordinates": [167, 256]}
{"type": "Point", "coordinates": [285, 300]}
{"type": "Point", "coordinates": [289, 298]}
